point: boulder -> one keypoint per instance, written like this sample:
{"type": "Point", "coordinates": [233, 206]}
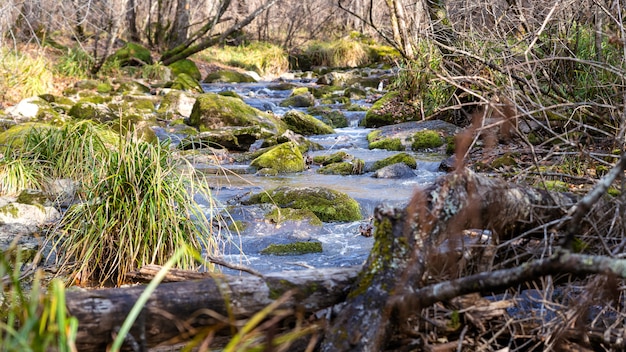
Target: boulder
{"type": "Point", "coordinates": [390, 109]}
{"type": "Point", "coordinates": [284, 157]}
{"type": "Point", "coordinates": [305, 124]}
{"type": "Point", "coordinates": [299, 100]}
{"type": "Point", "coordinates": [327, 204]}
{"type": "Point", "coordinates": [403, 158]}
{"type": "Point", "coordinates": [212, 112]}
{"type": "Point", "coordinates": [395, 171]}
{"type": "Point", "coordinates": [185, 66]}
{"type": "Point", "coordinates": [176, 104]}
{"type": "Point", "coordinates": [228, 76]}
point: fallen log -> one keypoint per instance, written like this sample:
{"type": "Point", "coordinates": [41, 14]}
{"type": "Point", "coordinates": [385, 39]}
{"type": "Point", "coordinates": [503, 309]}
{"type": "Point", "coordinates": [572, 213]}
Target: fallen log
{"type": "Point", "coordinates": [173, 308]}
{"type": "Point", "coordinates": [393, 278]}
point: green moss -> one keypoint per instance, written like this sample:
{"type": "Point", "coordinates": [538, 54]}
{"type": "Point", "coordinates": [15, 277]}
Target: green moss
{"type": "Point", "coordinates": [132, 87]}
{"type": "Point", "coordinates": [213, 111]}
{"type": "Point", "coordinates": [389, 110]}
{"type": "Point", "coordinates": [300, 91]}
{"type": "Point", "coordinates": [280, 215]}
{"type": "Point", "coordinates": [394, 144]}
{"type": "Point", "coordinates": [295, 248]}
{"type": "Point", "coordinates": [505, 160]}
{"type": "Point", "coordinates": [300, 101]}
{"type": "Point", "coordinates": [394, 159]}
{"type": "Point", "coordinates": [226, 76]}
{"type": "Point", "coordinates": [104, 88]}
{"type": "Point", "coordinates": [614, 192]}
{"type": "Point", "coordinates": [84, 110]}
{"type": "Point", "coordinates": [333, 158]}
{"type": "Point", "coordinates": [327, 204]}
{"type": "Point", "coordinates": [334, 119]}
{"type": "Point", "coordinates": [450, 145]}
{"type": "Point", "coordinates": [381, 254]}
{"type": "Point", "coordinates": [374, 135]}
{"type": "Point", "coordinates": [304, 124]}
{"type": "Point", "coordinates": [285, 157]}
{"type": "Point", "coordinates": [131, 54]}
{"type": "Point", "coordinates": [426, 139]}
{"type": "Point", "coordinates": [186, 66]}
{"type": "Point", "coordinates": [354, 93]}
{"type": "Point", "coordinates": [31, 197]}
{"type": "Point", "coordinates": [237, 226]}
{"type": "Point", "coordinates": [554, 185]}
{"type": "Point", "coordinates": [230, 93]}
{"type": "Point", "coordinates": [10, 210]}
{"type": "Point", "coordinates": [354, 167]}
{"type": "Point", "coordinates": [185, 82]}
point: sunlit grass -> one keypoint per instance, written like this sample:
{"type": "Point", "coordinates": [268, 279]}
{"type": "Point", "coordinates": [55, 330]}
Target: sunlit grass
{"type": "Point", "coordinates": [23, 76]}
{"type": "Point", "coordinates": [263, 58]}
{"type": "Point", "coordinates": [31, 318]}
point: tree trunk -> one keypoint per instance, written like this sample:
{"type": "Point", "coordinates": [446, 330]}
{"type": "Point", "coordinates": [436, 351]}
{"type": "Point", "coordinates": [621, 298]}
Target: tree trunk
{"type": "Point", "coordinates": [406, 239]}
{"type": "Point", "coordinates": [173, 308]}
{"type": "Point", "coordinates": [197, 42]}
{"type": "Point", "coordinates": [180, 26]}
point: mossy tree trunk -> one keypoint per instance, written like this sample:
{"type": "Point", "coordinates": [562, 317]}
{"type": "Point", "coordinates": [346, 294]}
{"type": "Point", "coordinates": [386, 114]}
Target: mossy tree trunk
{"type": "Point", "coordinates": [407, 240]}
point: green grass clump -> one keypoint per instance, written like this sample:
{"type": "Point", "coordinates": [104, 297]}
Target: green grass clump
{"type": "Point", "coordinates": [23, 76]}
{"type": "Point", "coordinates": [139, 211]}
{"type": "Point", "coordinates": [137, 205]}
{"type": "Point", "coordinates": [339, 53]}
{"type": "Point", "coordinates": [75, 62]}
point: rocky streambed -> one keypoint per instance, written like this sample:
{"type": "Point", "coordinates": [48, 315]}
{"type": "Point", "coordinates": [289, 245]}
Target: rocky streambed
{"type": "Point", "coordinates": [323, 139]}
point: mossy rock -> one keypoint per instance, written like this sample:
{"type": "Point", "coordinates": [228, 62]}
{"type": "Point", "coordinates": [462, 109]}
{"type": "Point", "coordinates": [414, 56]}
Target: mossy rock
{"type": "Point", "coordinates": [33, 197]}
{"type": "Point", "coordinates": [334, 118]}
{"type": "Point", "coordinates": [132, 87]}
{"type": "Point", "coordinates": [304, 124]}
{"type": "Point", "coordinates": [426, 139]}
{"type": "Point", "coordinates": [176, 104]}
{"type": "Point", "coordinates": [212, 111]}
{"type": "Point", "coordinates": [394, 159]}
{"type": "Point", "coordinates": [327, 204]}
{"type": "Point", "coordinates": [87, 84]}
{"type": "Point", "coordinates": [326, 91]}
{"type": "Point", "coordinates": [337, 157]}
{"type": "Point", "coordinates": [186, 66]}
{"type": "Point", "coordinates": [506, 160]}
{"type": "Point", "coordinates": [228, 76]}
{"type": "Point", "coordinates": [389, 110]}
{"type": "Point", "coordinates": [85, 110]}
{"type": "Point", "coordinates": [294, 248]}
{"type": "Point", "coordinates": [300, 91]}
{"type": "Point", "coordinates": [354, 167]}
{"type": "Point", "coordinates": [285, 157]}
{"type": "Point", "coordinates": [299, 101]}
{"type": "Point", "coordinates": [132, 54]}
{"type": "Point", "coordinates": [185, 82]}
{"type": "Point", "coordinates": [230, 93]}
{"type": "Point", "coordinates": [354, 93]}
{"type": "Point", "coordinates": [393, 144]}
{"type": "Point", "coordinates": [104, 88]}
{"type": "Point", "coordinates": [280, 215]}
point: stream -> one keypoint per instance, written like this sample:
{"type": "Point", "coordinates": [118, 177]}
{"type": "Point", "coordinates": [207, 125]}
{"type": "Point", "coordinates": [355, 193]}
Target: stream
{"type": "Point", "coordinates": [342, 243]}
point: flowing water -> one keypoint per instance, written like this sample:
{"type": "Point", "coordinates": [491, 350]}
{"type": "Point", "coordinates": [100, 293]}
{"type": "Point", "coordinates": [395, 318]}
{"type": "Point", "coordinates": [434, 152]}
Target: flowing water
{"type": "Point", "coordinates": [342, 243]}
